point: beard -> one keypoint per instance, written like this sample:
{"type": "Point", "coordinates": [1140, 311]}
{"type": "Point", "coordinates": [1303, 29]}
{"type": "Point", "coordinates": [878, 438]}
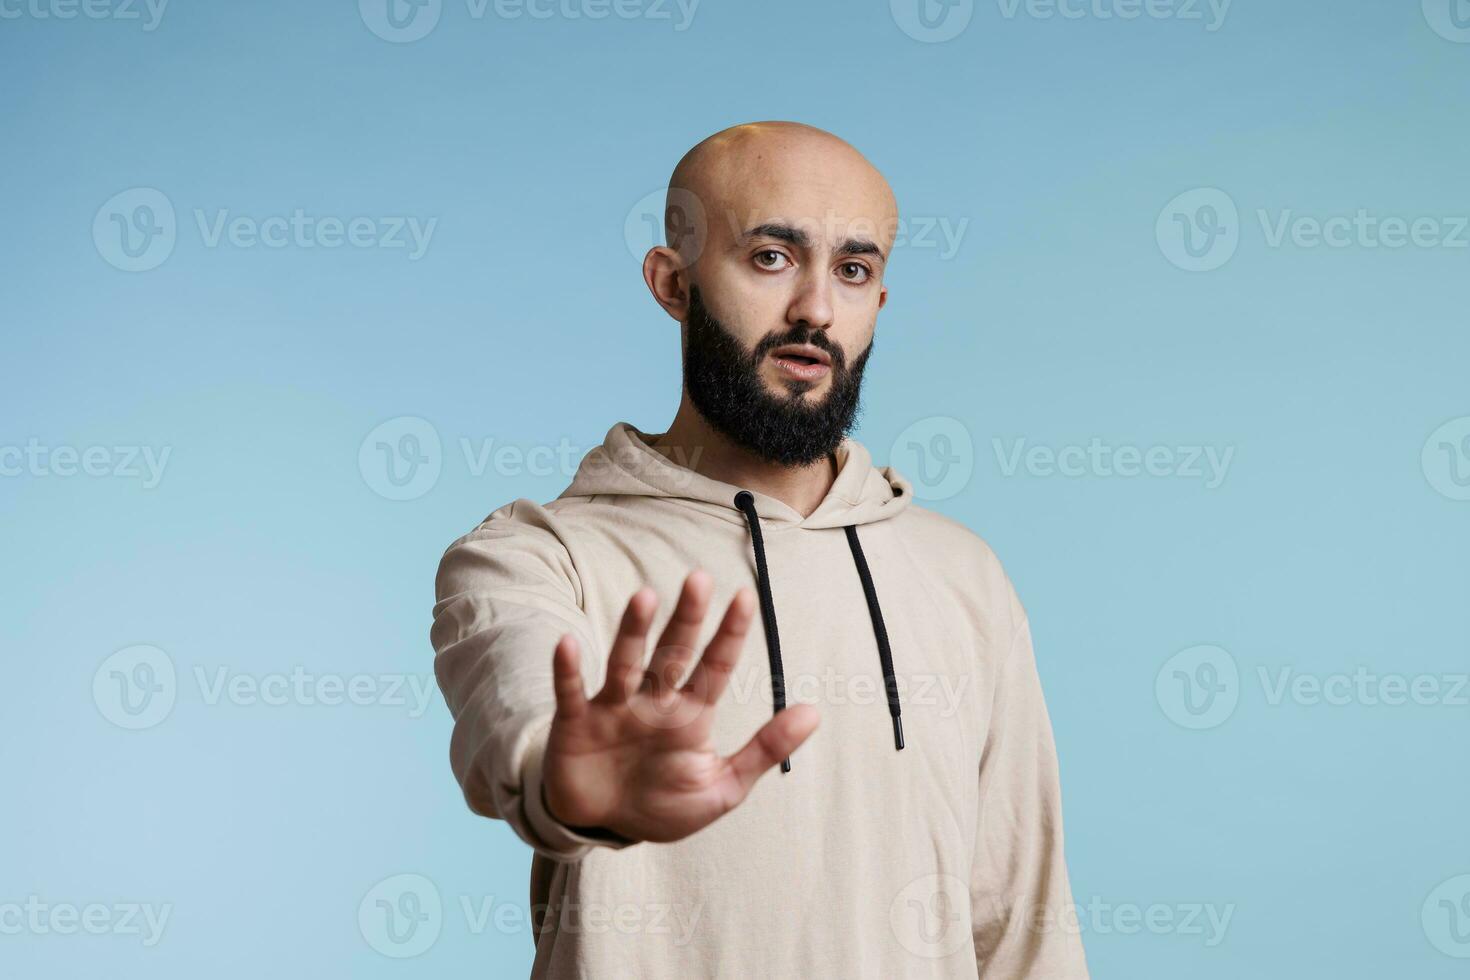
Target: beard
{"type": "Point", "coordinates": [724, 383]}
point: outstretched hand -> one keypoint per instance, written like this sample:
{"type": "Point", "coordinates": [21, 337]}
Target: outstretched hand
{"type": "Point", "coordinates": [636, 758]}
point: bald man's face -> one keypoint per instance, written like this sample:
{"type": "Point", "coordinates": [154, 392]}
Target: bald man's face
{"type": "Point", "coordinates": [797, 235]}
{"type": "Point", "coordinates": [778, 239]}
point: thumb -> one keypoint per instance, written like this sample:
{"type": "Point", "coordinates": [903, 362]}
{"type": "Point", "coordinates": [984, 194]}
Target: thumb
{"type": "Point", "coordinates": [776, 740]}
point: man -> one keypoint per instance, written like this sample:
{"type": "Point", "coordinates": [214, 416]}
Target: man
{"type": "Point", "coordinates": [872, 653]}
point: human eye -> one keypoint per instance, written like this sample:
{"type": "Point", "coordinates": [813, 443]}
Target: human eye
{"type": "Point", "coordinates": [854, 272]}
{"type": "Point", "coordinates": [772, 259]}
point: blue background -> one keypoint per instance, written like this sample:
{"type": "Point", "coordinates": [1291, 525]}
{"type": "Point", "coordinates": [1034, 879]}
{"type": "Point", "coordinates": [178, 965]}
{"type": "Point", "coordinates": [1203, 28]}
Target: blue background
{"type": "Point", "coordinates": [266, 546]}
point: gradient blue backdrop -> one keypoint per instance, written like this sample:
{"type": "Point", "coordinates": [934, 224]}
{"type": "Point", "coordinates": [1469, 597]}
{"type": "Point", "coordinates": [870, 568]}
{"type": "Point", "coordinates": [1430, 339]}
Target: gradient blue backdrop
{"type": "Point", "coordinates": [1333, 834]}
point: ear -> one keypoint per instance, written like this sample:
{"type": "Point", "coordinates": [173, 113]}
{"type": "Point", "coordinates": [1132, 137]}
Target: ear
{"type": "Point", "coordinates": [668, 280]}
{"type": "Point", "coordinates": [882, 297]}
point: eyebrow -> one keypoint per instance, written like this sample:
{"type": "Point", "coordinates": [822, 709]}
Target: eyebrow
{"type": "Point", "coordinates": [799, 238]}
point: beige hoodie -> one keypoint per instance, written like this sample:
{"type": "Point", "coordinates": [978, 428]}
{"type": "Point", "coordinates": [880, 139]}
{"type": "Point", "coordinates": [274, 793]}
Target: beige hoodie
{"type": "Point", "coordinates": [943, 859]}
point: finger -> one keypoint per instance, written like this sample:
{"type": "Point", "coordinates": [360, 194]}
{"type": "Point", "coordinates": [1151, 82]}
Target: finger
{"type": "Point", "coordinates": [626, 657]}
{"type": "Point", "coordinates": [566, 672]}
{"type": "Point", "coordinates": [712, 673]}
{"type": "Point", "coordinates": [675, 646]}
{"type": "Point", "coordinates": [776, 740]}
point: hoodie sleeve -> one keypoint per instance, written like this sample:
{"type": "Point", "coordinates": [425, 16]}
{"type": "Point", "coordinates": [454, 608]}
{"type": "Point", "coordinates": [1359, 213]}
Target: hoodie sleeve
{"type": "Point", "coordinates": [505, 594]}
{"type": "Point", "coordinates": [1023, 919]}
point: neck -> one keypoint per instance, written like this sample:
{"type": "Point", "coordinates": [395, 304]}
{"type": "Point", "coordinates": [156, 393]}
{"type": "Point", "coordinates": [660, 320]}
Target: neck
{"type": "Point", "coordinates": [693, 442]}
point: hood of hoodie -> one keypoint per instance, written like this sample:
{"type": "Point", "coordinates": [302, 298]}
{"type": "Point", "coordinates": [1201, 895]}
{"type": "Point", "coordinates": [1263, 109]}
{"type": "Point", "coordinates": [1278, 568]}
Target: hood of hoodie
{"type": "Point", "coordinates": [627, 465]}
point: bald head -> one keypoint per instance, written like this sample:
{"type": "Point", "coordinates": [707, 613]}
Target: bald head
{"type": "Point", "coordinates": [778, 171]}
{"type": "Point", "coordinates": [779, 235]}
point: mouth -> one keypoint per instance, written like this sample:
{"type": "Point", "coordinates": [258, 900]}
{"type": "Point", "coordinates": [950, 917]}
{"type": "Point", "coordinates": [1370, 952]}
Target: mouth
{"type": "Point", "coordinates": [804, 362]}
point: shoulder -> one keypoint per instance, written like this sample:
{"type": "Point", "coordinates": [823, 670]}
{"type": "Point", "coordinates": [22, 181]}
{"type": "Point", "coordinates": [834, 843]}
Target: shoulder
{"type": "Point", "coordinates": [518, 543]}
{"type": "Point", "coordinates": [961, 562]}
{"type": "Point", "coordinates": [947, 542]}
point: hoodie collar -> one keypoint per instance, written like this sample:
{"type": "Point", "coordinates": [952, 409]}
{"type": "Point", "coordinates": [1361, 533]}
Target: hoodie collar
{"type": "Point", "coordinates": [626, 465]}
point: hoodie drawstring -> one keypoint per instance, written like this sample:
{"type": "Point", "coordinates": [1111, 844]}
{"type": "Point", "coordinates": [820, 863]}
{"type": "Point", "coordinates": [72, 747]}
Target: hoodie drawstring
{"type": "Point", "coordinates": [745, 502]}
{"type": "Point", "coordinates": [885, 653]}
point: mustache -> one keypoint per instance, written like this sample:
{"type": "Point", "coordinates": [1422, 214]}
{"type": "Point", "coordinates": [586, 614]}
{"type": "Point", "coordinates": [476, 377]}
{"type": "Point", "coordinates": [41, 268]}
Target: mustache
{"type": "Point", "coordinates": [800, 334]}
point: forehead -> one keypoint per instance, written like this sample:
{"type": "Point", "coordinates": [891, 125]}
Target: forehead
{"type": "Point", "coordinates": [831, 197]}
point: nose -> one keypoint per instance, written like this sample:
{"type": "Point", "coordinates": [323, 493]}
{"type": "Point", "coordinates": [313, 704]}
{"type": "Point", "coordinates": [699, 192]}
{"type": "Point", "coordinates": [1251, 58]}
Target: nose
{"type": "Point", "coordinates": [812, 304]}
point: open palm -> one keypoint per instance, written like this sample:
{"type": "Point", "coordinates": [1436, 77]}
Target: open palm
{"type": "Point", "coordinates": [636, 758]}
